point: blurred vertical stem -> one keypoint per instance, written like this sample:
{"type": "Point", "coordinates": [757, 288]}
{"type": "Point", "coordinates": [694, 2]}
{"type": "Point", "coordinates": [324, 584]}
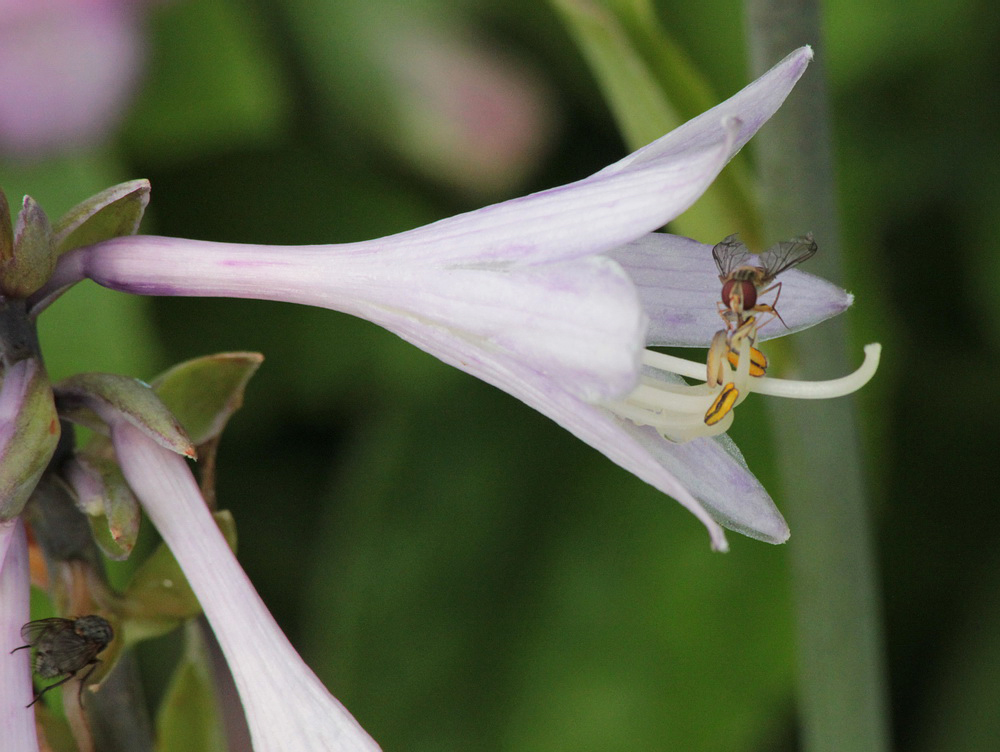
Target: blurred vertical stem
{"type": "Point", "coordinates": [841, 685]}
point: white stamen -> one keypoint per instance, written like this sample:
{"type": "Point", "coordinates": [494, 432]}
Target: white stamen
{"type": "Point", "coordinates": [680, 366]}
{"type": "Point", "coordinates": [823, 389]}
{"type": "Point", "coordinates": [659, 397]}
{"type": "Point", "coordinates": [775, 387]}
{"type": "Point", "coordinates": [674, 426]}
{"type": "Point", "coordinates": [677, 410]}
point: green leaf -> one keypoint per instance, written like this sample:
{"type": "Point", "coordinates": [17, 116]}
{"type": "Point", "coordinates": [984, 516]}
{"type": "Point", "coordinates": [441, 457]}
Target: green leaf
{"type": "Point", "coordinates": [652, 87]}
{"type": "Point", "coordinates": [212, 83]}
{"type": "Point", "coordinates": [96, 400]}
{"type": "Point", "coordinates": [203, 393]}
{"type": "Point", "coordinates": [634, 95]}
{"type": "Point", "coordinates": [189, 719]}
{"type": "Point", "coordinates": [111, 213]}
{"type": "Point", "coordinates": [158, 597]}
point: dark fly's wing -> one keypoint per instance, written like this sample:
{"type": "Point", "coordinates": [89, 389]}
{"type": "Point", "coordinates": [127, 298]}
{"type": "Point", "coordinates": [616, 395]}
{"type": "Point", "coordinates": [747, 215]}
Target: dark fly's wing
{"type": "Point", "coordinates": [785, 255]}
{"type": "Point", "coordinates": [729, 254]}
{"type": "Point", "coordinates": [36, 631]}
{"type": "Point", "coordinates": [69, 651]}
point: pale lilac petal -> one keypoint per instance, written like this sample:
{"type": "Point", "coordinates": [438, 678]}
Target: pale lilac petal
{"type": "Point", "coordinates": [679, 286]}
{"type": "Point", "coordinates": [623, 201]}
{"type": "Point", "coordinates": [589, 216]}
{"type": "Point", "coordinates": [287, 707]}
{"type": "Point", "coordinates": [17, 722]}
{"type": "Point", "coordinates": [579, 323]}
{"type": "Point", "coordinates": [751, 107]}
{"type": "Point", "coordinates": [714, 471]}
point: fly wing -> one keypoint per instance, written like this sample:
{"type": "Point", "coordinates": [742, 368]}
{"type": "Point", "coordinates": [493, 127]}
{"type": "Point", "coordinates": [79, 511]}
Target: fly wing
{"type": "Point", "coordinates": [728, 255]}
{"type": "Point", "coordinates": [35, 631]}
{"type": "Point", "coordinates": [785, 255]}
{"type": "Point", "coordinates": [69, 651]}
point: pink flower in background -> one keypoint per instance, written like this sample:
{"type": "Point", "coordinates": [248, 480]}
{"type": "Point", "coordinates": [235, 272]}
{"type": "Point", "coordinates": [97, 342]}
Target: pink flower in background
{"type": "Point", "coordinates": [464, 113]}
{"type": "Point", "coordinates": [67, 70]}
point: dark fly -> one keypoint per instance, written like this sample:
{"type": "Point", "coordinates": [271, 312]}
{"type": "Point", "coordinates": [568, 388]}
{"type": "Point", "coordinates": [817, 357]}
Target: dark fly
{"type": "Point", "coordinates": [64, 647]}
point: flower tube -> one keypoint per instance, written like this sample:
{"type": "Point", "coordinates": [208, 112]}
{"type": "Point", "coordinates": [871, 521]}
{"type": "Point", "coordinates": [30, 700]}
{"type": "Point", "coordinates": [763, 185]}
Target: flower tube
{"type": "Point", "coordinates": [287, 707]}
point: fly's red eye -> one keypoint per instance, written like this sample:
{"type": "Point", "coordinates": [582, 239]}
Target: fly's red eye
{"type": "Point", "coordinates": [739, 294]}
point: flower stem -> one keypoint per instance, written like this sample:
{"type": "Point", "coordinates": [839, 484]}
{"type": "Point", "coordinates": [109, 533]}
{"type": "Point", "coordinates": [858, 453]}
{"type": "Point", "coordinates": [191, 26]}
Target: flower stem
{"type": "Point", "coordinates": [841, 685]}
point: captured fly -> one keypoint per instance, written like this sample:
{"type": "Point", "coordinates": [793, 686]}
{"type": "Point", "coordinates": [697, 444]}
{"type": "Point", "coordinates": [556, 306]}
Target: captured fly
{"type": "Point", "coordinates": [65, 646]}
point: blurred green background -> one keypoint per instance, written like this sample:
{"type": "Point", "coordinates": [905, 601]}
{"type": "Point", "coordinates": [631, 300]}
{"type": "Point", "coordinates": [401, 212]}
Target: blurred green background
{"type": "Point", "coordinates": [460, 572]}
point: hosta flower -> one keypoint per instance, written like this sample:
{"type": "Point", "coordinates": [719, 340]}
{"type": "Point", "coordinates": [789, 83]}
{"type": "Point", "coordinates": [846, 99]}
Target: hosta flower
{"type": "Point", "coordinates": [552, 297]}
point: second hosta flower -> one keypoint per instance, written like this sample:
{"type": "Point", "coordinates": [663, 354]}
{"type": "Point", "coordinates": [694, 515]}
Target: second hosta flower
{"type": "Point", "coordinates": [552, 297]}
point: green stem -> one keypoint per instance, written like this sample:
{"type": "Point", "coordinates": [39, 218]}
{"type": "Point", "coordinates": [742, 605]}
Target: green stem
{"type": "Point", "coordinates": [841, 685]}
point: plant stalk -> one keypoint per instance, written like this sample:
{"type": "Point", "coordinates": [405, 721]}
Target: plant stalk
{"type": "Point", "coordinates": [841, 688]}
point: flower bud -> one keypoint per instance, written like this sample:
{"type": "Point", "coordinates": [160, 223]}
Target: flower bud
{"type": "Point", "coordinates": [32, 257]}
